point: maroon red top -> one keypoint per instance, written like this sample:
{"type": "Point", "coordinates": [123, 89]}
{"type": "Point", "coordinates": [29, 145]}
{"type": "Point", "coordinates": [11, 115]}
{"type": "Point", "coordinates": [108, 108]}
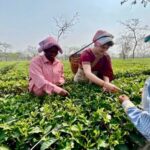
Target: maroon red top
{"type": "Point", "coordinates": [103, 66]}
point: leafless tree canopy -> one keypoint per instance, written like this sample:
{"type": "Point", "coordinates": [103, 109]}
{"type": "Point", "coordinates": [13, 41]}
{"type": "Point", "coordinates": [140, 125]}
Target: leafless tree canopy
{"type": "Point", "coordinates": [125, 45]}
{"type": "Point", "coordinates": [32, 50]}
{"type": "Point", "coordinates": [64, 25]}
{"type": "Point", "coordinates": [133, 2]}
{"type": "Point", "coordinates": [134, 32]}
{"type": "Point", "coordinates": [4, 47]}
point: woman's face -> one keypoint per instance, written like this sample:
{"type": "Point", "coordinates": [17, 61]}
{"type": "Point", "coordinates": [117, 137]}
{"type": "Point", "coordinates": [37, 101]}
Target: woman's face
{"type": "Point", "coordinates": [51, 53]}
{"type": "Point", "coordinates": [100, 50]}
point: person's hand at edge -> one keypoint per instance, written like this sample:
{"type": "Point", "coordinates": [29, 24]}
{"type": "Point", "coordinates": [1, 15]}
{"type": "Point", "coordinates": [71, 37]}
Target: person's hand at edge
{"type": "Point", "coordinates": [123, 98]}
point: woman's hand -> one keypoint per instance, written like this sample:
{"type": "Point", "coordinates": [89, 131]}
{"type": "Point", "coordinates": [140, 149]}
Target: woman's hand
{"type": "Point", "coordinates": [64, 93]}
{"type": "Point", "coordinates": [109, 87]}
{"type": "Point", "coordinates": [122, 98]}
{"type": "Point", "coordinates": [59, 84]}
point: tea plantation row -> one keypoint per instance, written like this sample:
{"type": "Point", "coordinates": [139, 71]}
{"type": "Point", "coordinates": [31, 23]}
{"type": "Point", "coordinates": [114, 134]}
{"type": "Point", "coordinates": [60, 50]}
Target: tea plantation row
{"type": "Point", "coordinates": [88, 119]}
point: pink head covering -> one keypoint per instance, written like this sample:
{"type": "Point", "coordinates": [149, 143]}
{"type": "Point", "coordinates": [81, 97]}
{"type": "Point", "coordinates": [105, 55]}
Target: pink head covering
{"type": "Point", "coordinates": [48, 43]}
{"type": "Point", "coordinates": [102, 37]}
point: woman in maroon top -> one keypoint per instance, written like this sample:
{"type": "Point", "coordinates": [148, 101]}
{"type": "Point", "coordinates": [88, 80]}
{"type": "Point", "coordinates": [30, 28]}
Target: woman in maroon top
{"type": "Point", "coordinates": [95, 63]}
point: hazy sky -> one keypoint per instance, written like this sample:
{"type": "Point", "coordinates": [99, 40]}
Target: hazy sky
{"type": "Point", "coordinates": [27, 22]}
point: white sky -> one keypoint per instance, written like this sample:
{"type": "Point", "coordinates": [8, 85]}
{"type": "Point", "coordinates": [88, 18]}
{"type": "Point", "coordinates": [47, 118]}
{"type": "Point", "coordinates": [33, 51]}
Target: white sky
{"type": "Point", "coordinates": [27, 22]}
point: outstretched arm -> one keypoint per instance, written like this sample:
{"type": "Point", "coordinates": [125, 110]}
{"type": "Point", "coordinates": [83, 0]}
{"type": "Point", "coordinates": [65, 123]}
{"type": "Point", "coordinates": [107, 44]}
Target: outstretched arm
{"type": "Point", "coordinates": [140, 119]}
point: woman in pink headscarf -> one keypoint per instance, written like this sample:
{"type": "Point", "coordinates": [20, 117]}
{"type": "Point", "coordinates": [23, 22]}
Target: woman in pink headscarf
{"type": "Point", "coordinates": [95, 63]}
{"type": "Point", "coordinates": [46, 71]}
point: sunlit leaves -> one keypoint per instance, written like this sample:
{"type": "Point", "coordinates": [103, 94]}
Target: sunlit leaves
{"type": "Point", "coordinates": [87, 119]}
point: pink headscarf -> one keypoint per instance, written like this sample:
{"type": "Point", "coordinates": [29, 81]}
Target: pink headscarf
{"type": "Point", "coordinates": [48, 43]}
{"type": "Point", "coordinates": [103, 38]}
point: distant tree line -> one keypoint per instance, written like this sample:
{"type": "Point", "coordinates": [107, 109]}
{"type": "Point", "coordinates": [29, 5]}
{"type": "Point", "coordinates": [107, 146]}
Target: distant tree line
{"type": "Point", "coordinates": [130, 42]}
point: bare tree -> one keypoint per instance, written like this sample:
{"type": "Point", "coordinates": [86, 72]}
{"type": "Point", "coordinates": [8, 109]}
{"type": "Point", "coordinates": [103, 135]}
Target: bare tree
{"type": "Point", "coordinates": [4, 47]}
{"type": "Point", "coordinates": [143, 48]}
{"type": "Point", "coordinates": [64, 25]}
{"type": "Point", "coordinates": [135, 32]}
{"type": "Point", "coordinates": [133, 2]}
{"type": "Point", "coordinates": [32, 50]}
{"type": "Point", "coordinates": [125, 44]}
